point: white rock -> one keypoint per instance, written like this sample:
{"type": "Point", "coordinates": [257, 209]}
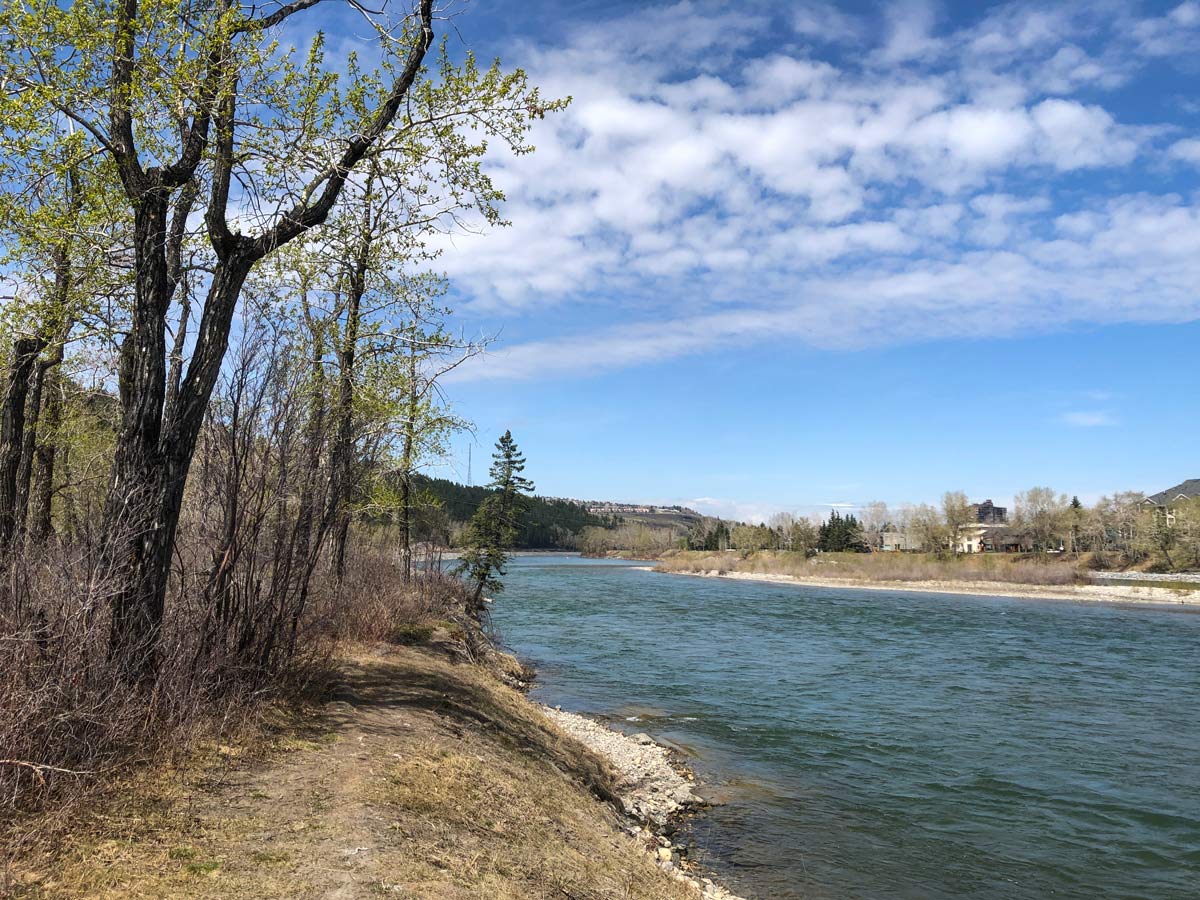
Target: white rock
{"type": "Point", "coordinates": [650, 787]}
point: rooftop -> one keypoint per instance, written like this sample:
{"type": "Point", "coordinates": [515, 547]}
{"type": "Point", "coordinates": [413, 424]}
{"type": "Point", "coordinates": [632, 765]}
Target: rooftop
{"type": "Point", "coordinates": [1185, 491]}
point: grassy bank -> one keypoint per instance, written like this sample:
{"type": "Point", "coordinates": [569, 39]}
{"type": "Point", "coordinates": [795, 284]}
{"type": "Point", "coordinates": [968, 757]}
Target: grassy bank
{"type": "Point", "coordinates": [422, 776]}
{"type": "Point", "coordinates": [1006, 569]}
{"type": "Point", "coordinates": [1052, 578]}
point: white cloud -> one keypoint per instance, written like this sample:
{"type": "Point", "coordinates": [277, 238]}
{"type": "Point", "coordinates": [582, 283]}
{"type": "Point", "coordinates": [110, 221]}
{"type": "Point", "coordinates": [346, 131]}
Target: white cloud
{"type": "Point", "coordinates": [1171, 34]}
{"type": "Point", "coordinates": [825, 22]}
{"type": "Point", "coordinates": [911, 24]}
{"type": "Point", "coordinates": [911, 194]}
{"type": "Point", "coordinates": [730, 510]}
{"type": "Point", "coordinates": [1187, 150]}
{"type": "Point", "coordinates": [1074, 136]}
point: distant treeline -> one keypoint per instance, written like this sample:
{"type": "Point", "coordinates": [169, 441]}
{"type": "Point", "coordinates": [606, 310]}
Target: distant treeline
{"type": "Point", "coordinates": [547, 525]}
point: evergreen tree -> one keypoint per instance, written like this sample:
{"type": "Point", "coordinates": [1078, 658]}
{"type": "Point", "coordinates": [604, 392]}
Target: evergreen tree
{"type": "Point", "coordinates": [841, 534]}
{"type": "Point", "coordinates": [494, 527]}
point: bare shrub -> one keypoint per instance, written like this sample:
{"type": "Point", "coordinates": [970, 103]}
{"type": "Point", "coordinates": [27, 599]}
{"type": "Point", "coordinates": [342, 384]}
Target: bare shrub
{"type": "Point", "coordinates": [68, 716]}
{"type": "Point", "coordinates": [250, 615]}
{"type": "Point", "coordinates": [374, 602]}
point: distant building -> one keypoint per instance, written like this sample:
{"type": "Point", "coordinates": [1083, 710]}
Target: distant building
{"type": "Point", "coordinates": [898, 542]}
{"type": "Point", "coordinates": [1181, 493]}
{"type": "Point", "coordinates": [1164, 501]}
{"type": "Point", "coordinates": [1005, 540]}
{"type": "Point", "coordinates": [988, 513]}
{"type": "Point", "coordinates": [970, 539]}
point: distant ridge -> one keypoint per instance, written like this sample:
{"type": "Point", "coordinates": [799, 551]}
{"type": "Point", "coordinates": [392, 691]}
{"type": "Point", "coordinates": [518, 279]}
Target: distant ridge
{"type": "Point", "coordinates": [680, 517]}
{"type": "Point", "coordinates": [556, 522]}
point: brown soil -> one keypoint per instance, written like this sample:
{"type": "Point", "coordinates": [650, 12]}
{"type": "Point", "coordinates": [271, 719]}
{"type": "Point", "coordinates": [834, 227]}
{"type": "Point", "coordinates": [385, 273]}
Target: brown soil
{"type": "Point", "coordinates": [421, 778]}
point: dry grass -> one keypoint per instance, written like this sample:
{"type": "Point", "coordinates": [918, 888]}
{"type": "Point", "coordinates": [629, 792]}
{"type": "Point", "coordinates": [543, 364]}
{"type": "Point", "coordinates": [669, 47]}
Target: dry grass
{"type": "Point", "coordinates": [423, 778]}
{"type": "Point", "coordinates": [71, 727]}
{"type": "Point", "coordinates": [911, 567]}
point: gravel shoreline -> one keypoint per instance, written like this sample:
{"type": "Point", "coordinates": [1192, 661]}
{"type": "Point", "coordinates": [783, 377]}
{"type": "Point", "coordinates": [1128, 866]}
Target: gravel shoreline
{"type": "Point", "coordinates": [653, 790]}
{"type": "Point", "coordinates": [1130, 594]}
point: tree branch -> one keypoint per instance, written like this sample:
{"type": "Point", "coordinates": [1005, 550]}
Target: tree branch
{"type": "Point", "coordinates": [304, 216]}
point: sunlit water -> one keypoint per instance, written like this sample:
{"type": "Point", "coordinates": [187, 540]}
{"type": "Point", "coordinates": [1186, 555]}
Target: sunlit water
{"type": "Point", "coordinates": [870, 745]}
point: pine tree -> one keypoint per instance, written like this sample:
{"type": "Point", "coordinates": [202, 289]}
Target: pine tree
{"type": "Point", "coordinates": [841, 534]}
{"type": "Point", "coordinates": [494, 527]}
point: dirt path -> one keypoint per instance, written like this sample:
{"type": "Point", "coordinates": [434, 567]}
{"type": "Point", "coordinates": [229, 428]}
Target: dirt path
{"type": "Point", "coordinates": [420, 779]}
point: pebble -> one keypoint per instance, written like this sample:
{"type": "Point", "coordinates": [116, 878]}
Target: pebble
{"type": "Point", "coordinates": [651, 789]}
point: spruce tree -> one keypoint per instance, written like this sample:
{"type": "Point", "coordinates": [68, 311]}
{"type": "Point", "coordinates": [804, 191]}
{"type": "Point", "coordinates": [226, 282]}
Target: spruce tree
{"type": "Point", "coordinates": [493, 529]}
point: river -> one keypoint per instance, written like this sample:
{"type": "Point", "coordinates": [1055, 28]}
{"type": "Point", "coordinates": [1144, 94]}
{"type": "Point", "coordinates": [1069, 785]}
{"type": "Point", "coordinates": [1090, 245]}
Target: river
{"type": "Point", "coordinates": [867, 744]}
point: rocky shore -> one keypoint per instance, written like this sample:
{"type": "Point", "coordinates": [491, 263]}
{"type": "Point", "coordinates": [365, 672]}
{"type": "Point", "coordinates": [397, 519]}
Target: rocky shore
{"type": "Point", "coordinates": [655, 791]}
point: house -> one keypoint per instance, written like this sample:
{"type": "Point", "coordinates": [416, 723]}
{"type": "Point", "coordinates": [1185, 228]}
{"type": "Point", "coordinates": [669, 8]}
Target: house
{"type": "Point", "coordinates": [970, 539]}
{"type": "Point", "coordinates": [1005, 540]}
{"type": "Point", "coordinates": [893, 541]}
{"type": "Point", "coordinates": [1164, 501]}
{"type": "Point", "coordinates": [1181, 493]}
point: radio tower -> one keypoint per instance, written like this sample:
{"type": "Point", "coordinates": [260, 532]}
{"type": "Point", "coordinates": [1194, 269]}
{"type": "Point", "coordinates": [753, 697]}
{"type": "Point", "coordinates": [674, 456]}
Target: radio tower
{"type": "Point", "coordinates": [468, 465]}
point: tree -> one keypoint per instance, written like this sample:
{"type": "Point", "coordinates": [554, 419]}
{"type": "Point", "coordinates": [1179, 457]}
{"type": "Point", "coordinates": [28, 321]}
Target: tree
{"type": "Point", "coordinates": [1043, 513]}
{"type": "Point", "coordinates": [1187, 528]}
{"type": "Point", "coordinates": [200, 111]}
{"type": "Point", "coordinates": [840, 534]}
{"type": "Point", "coordinates": [1112, 525]}
{"type": "Point", "coordinates": [1157, 534]}
{"type": "Point", "coordinates": [803, 537]}
{"type": "Point", "coordinates": [781, 524]}
{"type": "Point", "coordinates": [60, 237]}
{"type": "Point", "coordinates": [928, 528]}
{"type": "Point", "coordinates": [1076, 516]}
{"type": "Point", "coordinates": [493, 528]}
{"type": "Point", "coordinates": [958, 514]}
{"type": "Point", "coordinates": [874, 517]}
{"type": "Point", "coordinates": [752, 537]}
{"type": "Point", "coordinates": [709, 534]}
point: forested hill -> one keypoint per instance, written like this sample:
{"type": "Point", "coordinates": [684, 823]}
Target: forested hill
{"type": "Point", "coordinates": [549, 524]}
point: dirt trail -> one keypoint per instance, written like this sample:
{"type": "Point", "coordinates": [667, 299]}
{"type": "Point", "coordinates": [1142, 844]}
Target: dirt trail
{"type": "Point", "coordinates": [420, 779]}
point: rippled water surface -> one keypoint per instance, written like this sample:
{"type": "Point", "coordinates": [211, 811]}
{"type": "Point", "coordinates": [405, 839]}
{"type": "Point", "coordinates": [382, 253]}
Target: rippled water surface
{"type": "Point", "coordinates": [875, 745]}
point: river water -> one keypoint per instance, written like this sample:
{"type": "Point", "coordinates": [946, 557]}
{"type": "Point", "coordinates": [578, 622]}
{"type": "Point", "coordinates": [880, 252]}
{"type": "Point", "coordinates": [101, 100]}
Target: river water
{"type": "Point", "coordinates": [867, 744]}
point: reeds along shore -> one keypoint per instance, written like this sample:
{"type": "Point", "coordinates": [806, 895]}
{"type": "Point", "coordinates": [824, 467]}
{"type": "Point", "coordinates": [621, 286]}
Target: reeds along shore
{"type": "Point", "coordinates": [1049, 577]}
{"type": "Point", "coordinates": [881, 566]}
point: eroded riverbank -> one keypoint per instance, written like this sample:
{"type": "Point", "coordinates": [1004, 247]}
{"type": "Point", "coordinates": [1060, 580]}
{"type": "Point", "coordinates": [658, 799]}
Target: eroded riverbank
{"type": "Point", "coordinates": [422, 777]}
{"type": "Point", "coordinates": [654, 789]}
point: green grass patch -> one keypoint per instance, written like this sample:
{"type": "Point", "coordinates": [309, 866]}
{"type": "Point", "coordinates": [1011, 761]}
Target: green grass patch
{"type": "Point", "coordinates": [207, 867]}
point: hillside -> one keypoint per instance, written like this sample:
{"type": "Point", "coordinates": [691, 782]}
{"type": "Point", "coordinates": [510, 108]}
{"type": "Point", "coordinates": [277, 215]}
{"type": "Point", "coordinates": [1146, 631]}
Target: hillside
{"type": "Point", "coordinates": [679, 518]}
{"type": "Point", "coordinates": [550, 523]}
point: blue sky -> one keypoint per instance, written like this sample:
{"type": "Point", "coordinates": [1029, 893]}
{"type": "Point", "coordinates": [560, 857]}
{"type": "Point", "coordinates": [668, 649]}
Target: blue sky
{"type": "Point", "coordinates": [777, 256]}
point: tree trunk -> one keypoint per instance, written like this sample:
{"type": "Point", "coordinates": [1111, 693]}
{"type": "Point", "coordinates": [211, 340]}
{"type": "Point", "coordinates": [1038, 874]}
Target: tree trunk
{"type": "Point", "coordinates": [12, 434]}
{"type": "Point", "coordinates": [153, 455]}
{"type": "Point", "coordinates": [406, 462]}
{"type": "Point", "coordinates": [33, 412]}
{"type": "Point", "coordinates": [45, 458]}
{"type": "Point", "coordinates": [136, 536]}
{"type": "Point", "coordinates": [341, 457]}
{"type": "Point", "coordinates": [343, 443]}
{"type": "Point", "coordinates": [314, 441]}
{"type": "Point", "coordinates": [33, 453]}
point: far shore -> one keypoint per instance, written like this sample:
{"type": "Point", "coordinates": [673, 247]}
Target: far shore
{"type": "Point", "coordinates": [1084, 593]}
